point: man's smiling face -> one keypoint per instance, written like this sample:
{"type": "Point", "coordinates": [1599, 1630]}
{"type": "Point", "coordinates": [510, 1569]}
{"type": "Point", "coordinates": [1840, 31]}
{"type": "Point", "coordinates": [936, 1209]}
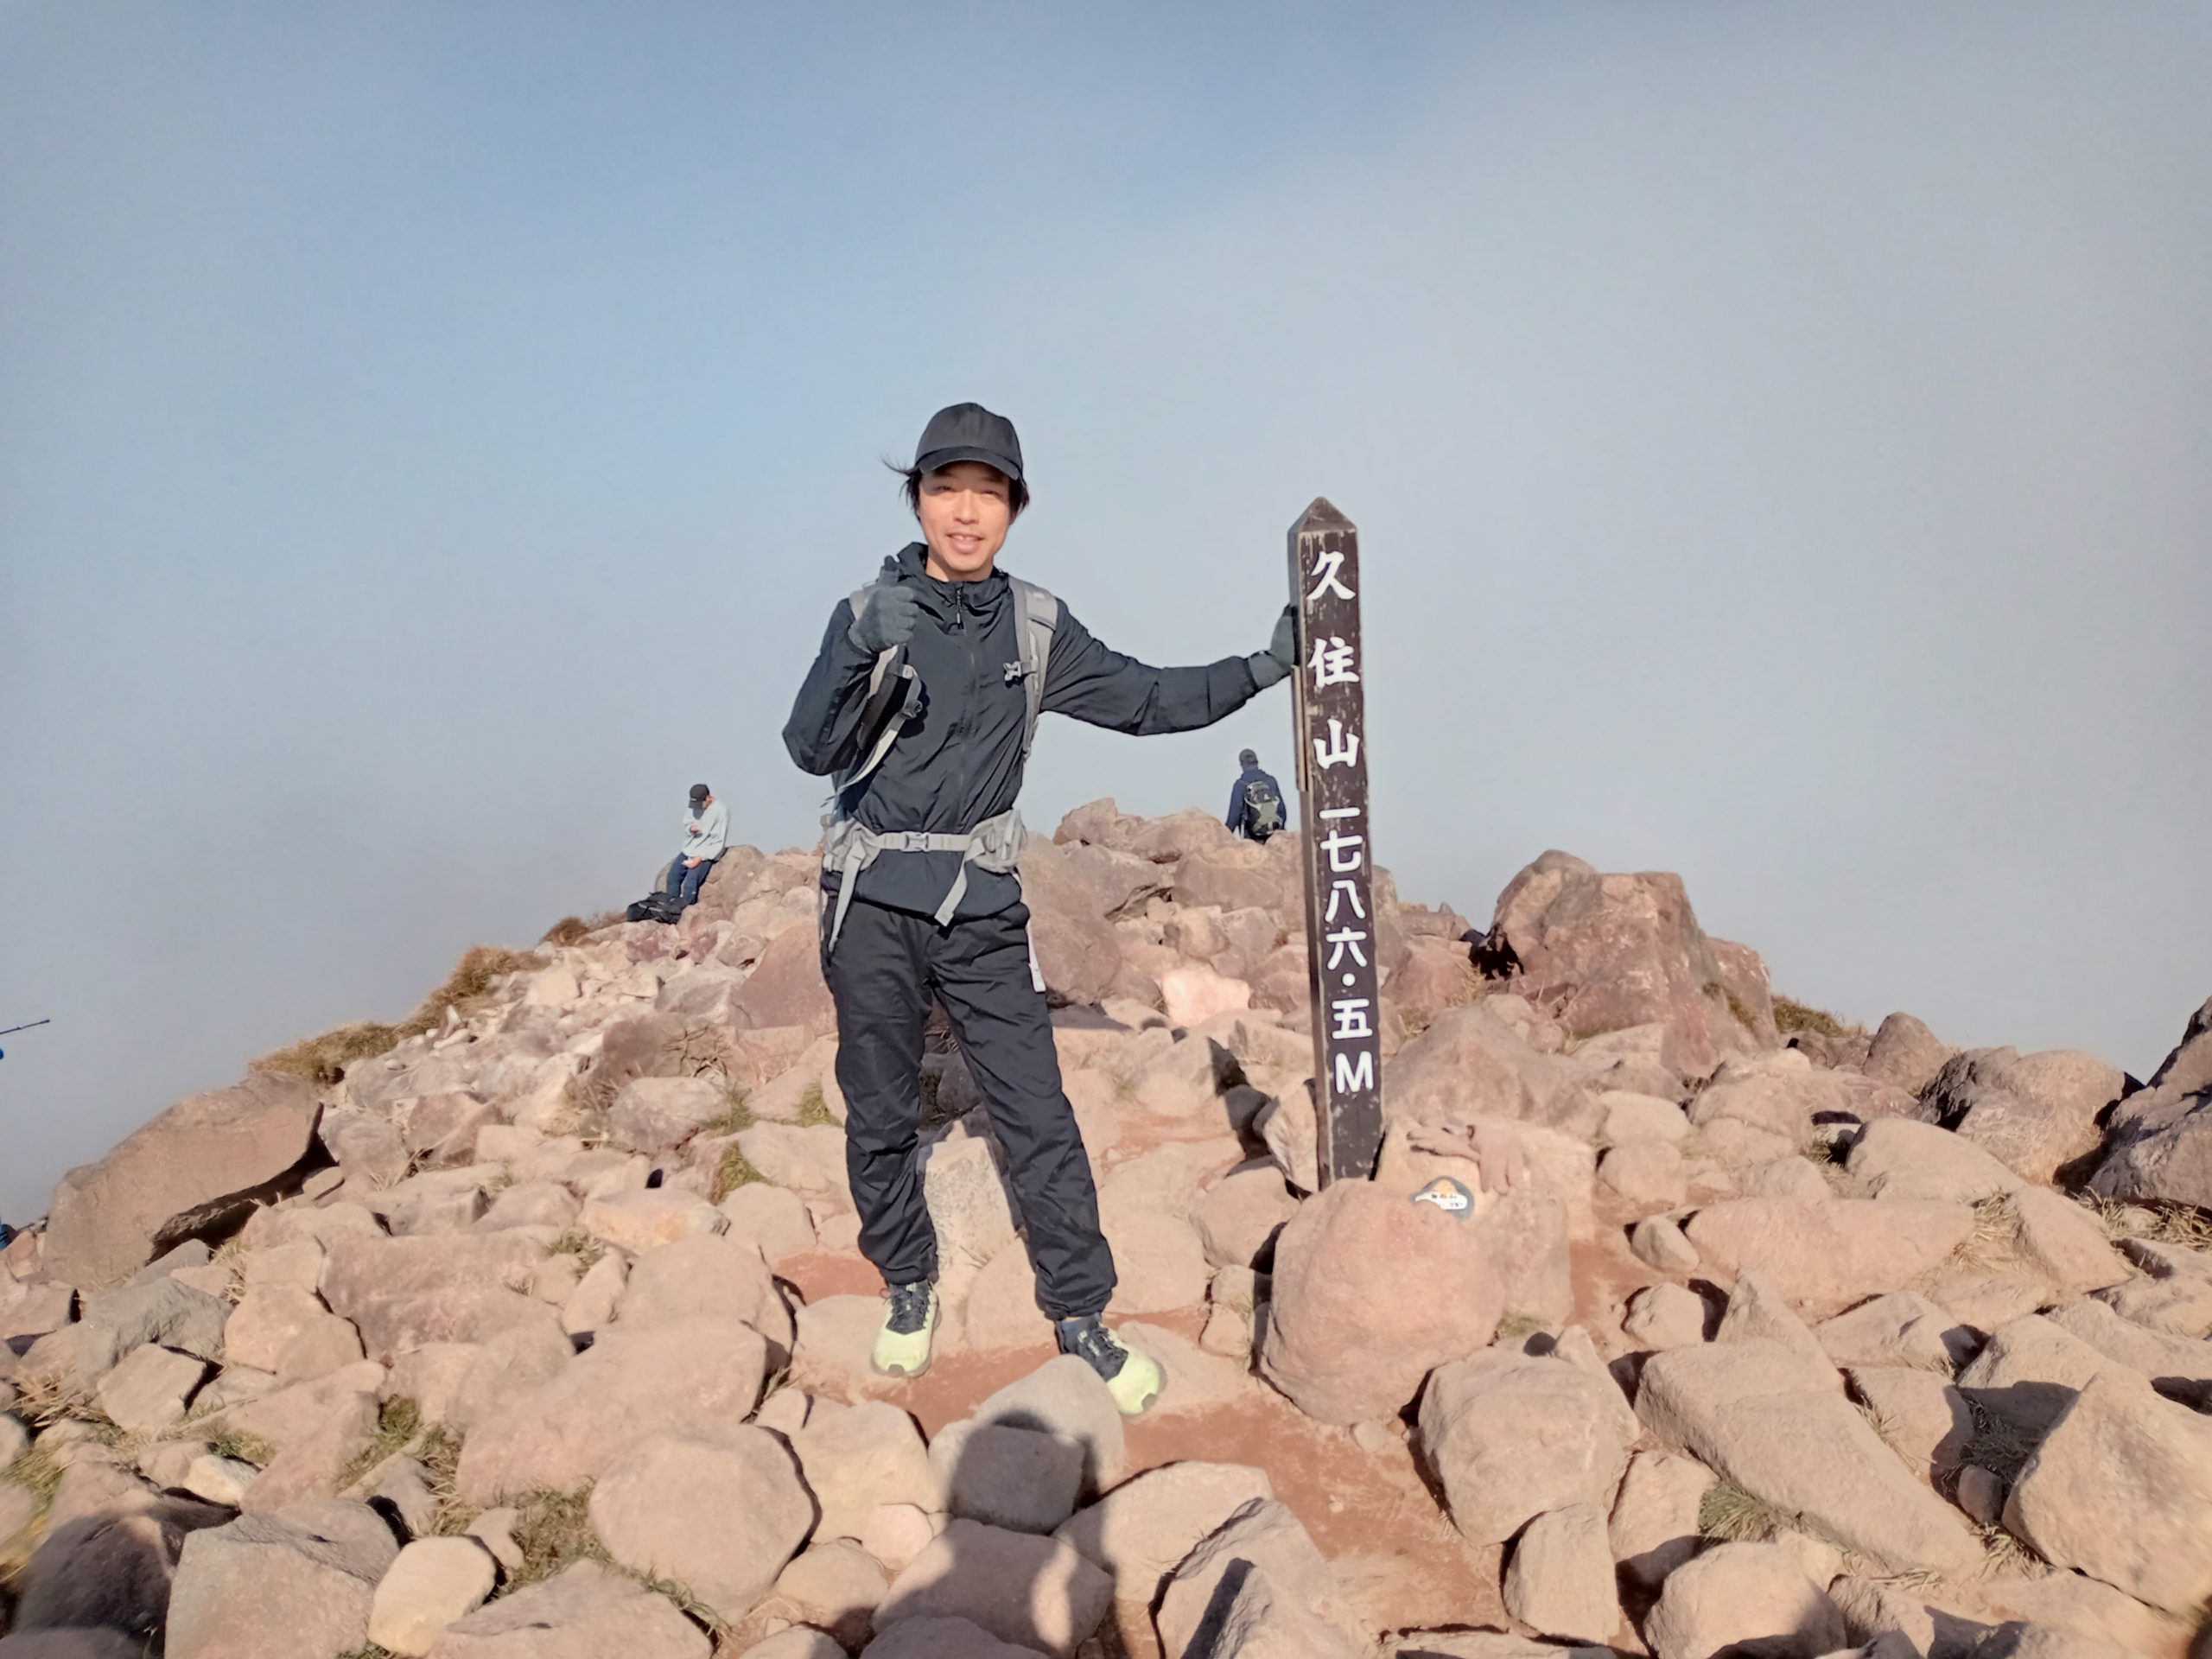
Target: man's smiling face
{"type": "Point", "coordinates": [965, 510]}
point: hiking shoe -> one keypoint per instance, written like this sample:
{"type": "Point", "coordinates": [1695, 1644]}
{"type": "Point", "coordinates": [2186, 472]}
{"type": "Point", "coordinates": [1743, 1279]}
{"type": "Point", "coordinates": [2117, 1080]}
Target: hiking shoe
{"type": "Point", "coordinates": [902, 1347]}
{"type": "Point", "coordinates": [1131, 1376]}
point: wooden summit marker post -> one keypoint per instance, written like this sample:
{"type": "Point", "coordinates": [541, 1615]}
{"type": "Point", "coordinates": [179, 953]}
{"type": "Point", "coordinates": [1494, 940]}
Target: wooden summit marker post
{"type": "Point", "coordinates": [1338, 862]}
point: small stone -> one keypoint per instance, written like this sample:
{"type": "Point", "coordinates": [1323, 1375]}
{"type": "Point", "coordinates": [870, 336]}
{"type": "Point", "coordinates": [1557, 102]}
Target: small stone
{"type": "Point", "coordinates": [1648, 1175]}
{"type": "Point", "coordinates": [1560, 1582]}
{"type": "Point", "coordinates": [1665, 1316]}
{"type": "Point", "coordinates": [1654, 1524]}
{"type": "Point", "coordinates": [1752, 1594]}
{"type": "Point", "coordinates": [1660, 1242]}
{"type": "Point", "coordinates": [896, 1533]}
{"type": "Point", "coordinates": [220, 1480]}
{"type": "Point", "coordinates": [433, 1582]}
{"type": "Point", "coordinates": [1981, 1495]}
{"type": "Point", "coordinates": [148, 1391]}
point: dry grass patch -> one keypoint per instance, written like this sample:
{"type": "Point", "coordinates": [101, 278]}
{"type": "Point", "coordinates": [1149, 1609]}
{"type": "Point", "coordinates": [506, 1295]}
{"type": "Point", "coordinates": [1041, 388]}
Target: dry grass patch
{"type": "Point", "coordinates": [553, 1531]}
{"type": "Point", "coordinates": [1996, 1230]}
{"type": "Point", "coordinates": [735, 1170]}
{"type": "Point", "coordinates": [575, 930]}
{"type": "Point", "coordinates": [1791, 1016]}
{"type": "Point", "coordinates": [586, 1249]}
{"type": "Point", "coordinates": [813, 1109]}
{"type": "Point", "coordinates": [241, 1448]}
{"type": "Point", "coordinates": [1516, 1328]}
{"type": "Point", "coordinates": [736, 1115]}
{"type": "Point", "coordinates": [36, 1471]}
{"type": "Point", "coordinates": [322, 1060]}
{"type": "Point", "coordinates": [399, 1419]}
{"type": "Point", "coordinates": [1733, 1515]}
{"type": "Point", "coordinates": [440, 1456]}
{"type": "Point", "coordinates": [2155, 1221]}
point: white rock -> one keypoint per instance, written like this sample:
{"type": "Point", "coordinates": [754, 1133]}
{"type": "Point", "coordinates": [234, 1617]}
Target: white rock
{"type": "Point", "coordinates": [433, 1582]}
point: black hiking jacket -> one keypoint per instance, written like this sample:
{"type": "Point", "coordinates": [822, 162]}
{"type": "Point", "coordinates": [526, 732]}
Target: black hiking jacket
{"type": "Point", "coordinates": [959, 762]}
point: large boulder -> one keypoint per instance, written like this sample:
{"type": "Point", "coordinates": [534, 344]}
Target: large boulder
{"type": "Point", "coordinates": [658, 1114]}
{"type": "Point", "coordinates": [1826, 1257]}
{"type": "Point", "coordinates": [1144, 1528]}
{"type": "Point", "coordinates": [1770, 1417]}
{"type": "Point", "coordinates": [2036, 1114]}
{"type": "Point", "coordinates": [1259, 1616]}
{"type": "Point", "coordinates": [1760, 1107]}
{"type": "Point", "coordinates": [1097, 882]}
{"type": "Point", "coordinates": [1604, 952]}
{"type": "Point", "coordinates": [317, 1428]}
{"type": "Point", "coordinates": [1064, 1396]}
{"type": "Point", "coordinates": [2121, 1489]}
{"type": "Point", "coordinates": [1560, 1582]}
{"type": "Point", "coordinates": [309, 1571]}
{"type": "Point", "coordinates": [1007, 1477]}
{"type": "Point", "coordinates": [588, 1612]}
{"type": "Point", "coordinates": [1263, 1536]}
{"type": "Point", "coordinates": [1654, 1526]}
{"type": "Point", "coordinates": [688, 1374]}
{"type": "Point", "coordinates": [787, 987]}
{"type": "Point", "coordinates": [1037, 1593]}
{"type": "Point", "coordinates": [2159, 1144]}
{"type": "Point", "coordinates": [1744, 1600]}
{"type": "Point", "coordinates": [198, 1166]}
{"type": "Point", "coordinates": [1373, 1290]}
{"type": "Point", "coordinates": [708, 1276]}
{"type": "Point", "coordinates": [112, 1567]}
{"type": "Point", "coordinates": [857, 1459]}
{"type": "Point", "coordinates": [1510, 1436]}
{"type": "Point", "coordinates": [718, 1510]}
{"type": "Point", "coordinates": [1472, 1061]}
{"type": "Point", "coordinates": [1905, 1054]}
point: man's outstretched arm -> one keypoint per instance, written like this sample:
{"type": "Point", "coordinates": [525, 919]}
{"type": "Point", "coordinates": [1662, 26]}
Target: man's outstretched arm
{"type": "Point", "coordinates": [820, 733]}
{"type": "Point", "coordinates": [1090, 682]}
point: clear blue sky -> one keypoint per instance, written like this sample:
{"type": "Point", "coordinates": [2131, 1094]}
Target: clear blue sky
{"type": "Point", "coordinates": [432, 436]}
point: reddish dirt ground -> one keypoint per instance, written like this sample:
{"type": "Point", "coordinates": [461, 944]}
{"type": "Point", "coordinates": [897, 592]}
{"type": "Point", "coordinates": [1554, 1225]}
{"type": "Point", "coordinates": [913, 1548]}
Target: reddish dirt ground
{"type": "Point", "coordinates": [1370, 1511]}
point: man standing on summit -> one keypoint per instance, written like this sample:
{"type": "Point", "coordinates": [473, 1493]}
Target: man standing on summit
{"type": "Point", "coordinates": [923, 702]}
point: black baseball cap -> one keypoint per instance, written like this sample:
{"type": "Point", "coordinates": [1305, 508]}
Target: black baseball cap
{"type": "Point", "coordinates": [969, 432]}
{"type": "Point", "coordinates": [699, 792]}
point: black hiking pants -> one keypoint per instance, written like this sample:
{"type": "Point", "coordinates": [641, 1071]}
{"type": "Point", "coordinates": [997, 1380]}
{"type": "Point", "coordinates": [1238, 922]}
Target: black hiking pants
{"type": "Point", "coordinates": [887, 965]}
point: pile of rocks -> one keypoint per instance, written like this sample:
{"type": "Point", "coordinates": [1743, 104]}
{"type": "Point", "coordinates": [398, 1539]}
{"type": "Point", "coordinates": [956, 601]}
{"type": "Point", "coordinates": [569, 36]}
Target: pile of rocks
{"type": "Point", "coordinates": [523, 1338]}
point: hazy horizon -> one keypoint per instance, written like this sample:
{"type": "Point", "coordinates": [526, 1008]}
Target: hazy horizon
{"type": "Point", "coordinates": [432, 438]}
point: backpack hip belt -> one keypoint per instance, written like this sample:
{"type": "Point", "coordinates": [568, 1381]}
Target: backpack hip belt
{"type": "Point", "coordinates": [849, 847]}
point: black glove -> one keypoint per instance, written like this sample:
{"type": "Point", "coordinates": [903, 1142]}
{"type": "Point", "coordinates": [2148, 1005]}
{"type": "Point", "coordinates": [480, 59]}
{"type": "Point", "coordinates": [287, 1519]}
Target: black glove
{"type": "Point", "coordinates": [886, 618]}
{"type": "Point", "coordinates": [1280, 656]}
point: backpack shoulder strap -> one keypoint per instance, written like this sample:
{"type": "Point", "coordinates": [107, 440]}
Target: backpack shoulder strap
{"type": "Point", "coordinates": [881, 720]}
{"type": "Point", "coordinates": [1036, 619]}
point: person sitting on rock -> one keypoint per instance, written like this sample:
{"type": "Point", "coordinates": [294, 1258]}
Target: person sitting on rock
{"type": "Point", "coordinates": [706, 832]}
{"type": "Point", "coordinates": [921, 701]}
{"type": "Point", "coordinates": [1256, 804]}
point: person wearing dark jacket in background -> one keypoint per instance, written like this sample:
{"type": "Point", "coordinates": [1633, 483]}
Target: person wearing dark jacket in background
{"type": "Point", "coordinates": [919, 894]}
{"type": "Point", "coordinates": [1256, 808]}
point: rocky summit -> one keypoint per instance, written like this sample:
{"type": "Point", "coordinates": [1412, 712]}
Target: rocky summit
{"type": "Point", "coordinates": [534, 1327]}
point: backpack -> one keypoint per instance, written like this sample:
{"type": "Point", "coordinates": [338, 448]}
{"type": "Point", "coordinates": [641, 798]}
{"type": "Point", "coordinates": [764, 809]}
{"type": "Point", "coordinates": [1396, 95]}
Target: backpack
{"type": "Point", "coordinates": [657, 906]}
{"type": "Point", "coordinates": [1262, 809]}
{"type": "Point", "coordinates": [885, 715]}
